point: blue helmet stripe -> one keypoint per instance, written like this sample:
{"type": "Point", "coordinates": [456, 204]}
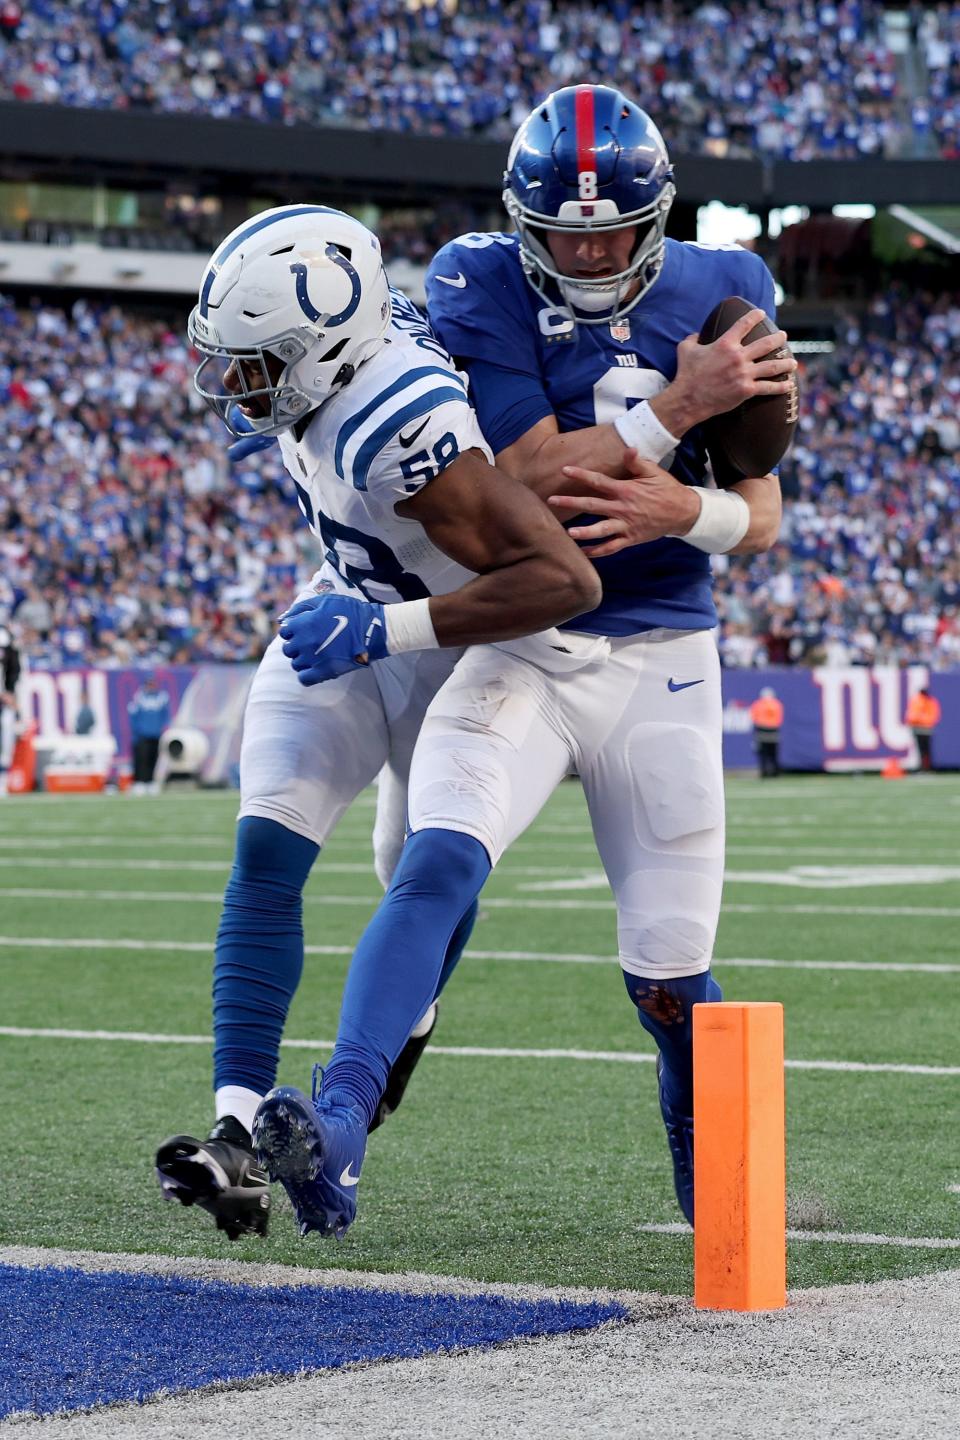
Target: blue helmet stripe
{"type": "Point", "coordinates": [372, 446]}
{"type": "Point", "coordinates": [351, 426]}
{"type": "Point", "coordinates": [227, 249]}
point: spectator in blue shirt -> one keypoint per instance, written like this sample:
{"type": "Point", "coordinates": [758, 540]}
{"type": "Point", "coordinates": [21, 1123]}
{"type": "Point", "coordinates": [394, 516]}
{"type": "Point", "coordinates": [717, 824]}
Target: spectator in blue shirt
{"type": "Point", "coordinates": [149, 713]}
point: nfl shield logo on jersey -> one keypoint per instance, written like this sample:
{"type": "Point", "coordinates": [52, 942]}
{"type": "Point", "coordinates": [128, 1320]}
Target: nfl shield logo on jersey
{"type": "Point", "coordinates": [620, 330]}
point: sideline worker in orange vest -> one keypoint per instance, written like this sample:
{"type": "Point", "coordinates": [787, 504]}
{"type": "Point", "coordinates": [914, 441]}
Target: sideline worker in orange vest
{"type": "Point", "coordinates": [923, 716]}
{"type": "Point", "coordinates": [767, 716]}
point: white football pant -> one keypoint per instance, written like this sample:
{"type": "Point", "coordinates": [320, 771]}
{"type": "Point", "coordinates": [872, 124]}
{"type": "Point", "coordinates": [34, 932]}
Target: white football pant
{"type": "Point", "coordinates": [643, 729]}
{"type": "Point", "coordinates": [308, 751]}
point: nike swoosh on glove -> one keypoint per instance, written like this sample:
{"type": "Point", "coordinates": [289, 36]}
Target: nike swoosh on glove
{"type": "Point", "coordinates": [251, 441]}
{"type": "Point", "coordinates": [328, 635]}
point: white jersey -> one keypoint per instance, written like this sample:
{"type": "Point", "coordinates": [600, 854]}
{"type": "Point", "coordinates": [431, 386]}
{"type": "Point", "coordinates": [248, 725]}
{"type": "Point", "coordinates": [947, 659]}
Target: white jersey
{"type": "Point", "coordinates": [402, 420]}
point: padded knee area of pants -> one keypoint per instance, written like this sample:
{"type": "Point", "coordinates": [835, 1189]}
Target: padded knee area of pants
{"type": "Point", "coordinates": [669, 947]}
{"type": "Point", "coordinates": [667, 921]}
{"type": "Point", "coordinates": [678, 784]}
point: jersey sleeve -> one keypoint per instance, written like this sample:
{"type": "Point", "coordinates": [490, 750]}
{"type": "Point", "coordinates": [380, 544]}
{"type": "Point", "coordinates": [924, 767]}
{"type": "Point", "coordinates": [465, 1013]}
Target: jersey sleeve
{"type": "Point", "coordinates": [408, 434]}
{"type": "Point", "coordinates": [757, 284]}
{"type": "Point", "coordinates": [478, 309]}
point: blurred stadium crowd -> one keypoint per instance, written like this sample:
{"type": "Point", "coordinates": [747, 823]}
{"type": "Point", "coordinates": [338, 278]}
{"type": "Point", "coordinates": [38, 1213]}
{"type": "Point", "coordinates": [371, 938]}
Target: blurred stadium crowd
{"type": "Point", "coordinates": [791, 78]}
{"type": "Point", "coordinates": [126, 537]}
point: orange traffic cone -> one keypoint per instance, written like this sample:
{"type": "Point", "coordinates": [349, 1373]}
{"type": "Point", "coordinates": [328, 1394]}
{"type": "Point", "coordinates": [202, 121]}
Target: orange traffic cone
{"type": "Point", "coordinates": [23, 762]}
{"type": "Point", "coordinates": [893, 770]}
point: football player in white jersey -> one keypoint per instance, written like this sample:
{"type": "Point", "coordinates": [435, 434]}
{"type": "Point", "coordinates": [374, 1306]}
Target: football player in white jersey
{"type": "Point", "coordinates": [297, 326]}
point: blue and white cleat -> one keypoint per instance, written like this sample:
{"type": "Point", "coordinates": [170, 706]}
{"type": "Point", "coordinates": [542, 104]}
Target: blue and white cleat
{"type": "Point", "coordinates": [315, 1150]}
{"type": "Point", "coordinates": [679, 1130]}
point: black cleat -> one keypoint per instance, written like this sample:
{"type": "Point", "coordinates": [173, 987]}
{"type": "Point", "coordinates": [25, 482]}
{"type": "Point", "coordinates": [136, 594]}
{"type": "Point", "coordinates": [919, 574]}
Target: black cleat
{"type": "Point", "coordinates": [220, 1174]}
{"type": "Point", "coordinates": [400, 1072]}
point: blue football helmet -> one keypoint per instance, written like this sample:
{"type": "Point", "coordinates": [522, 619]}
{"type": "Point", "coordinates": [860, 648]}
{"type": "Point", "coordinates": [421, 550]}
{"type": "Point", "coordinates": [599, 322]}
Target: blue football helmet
{"type": "Point", "coordinates": [588, 158]}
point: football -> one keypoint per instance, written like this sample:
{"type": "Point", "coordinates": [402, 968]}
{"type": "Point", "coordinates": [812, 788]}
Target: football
{"type": "Point", "coordinates": [755, 436]}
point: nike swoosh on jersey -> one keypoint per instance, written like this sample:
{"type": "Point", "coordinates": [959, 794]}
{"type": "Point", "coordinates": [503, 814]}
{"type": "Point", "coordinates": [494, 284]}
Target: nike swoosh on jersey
{"type": "Point", "coordinates": [407, 440]}
{"type": "Point", "coordinates": [341, 624]}
{"type": "Point", "coordinates": [346, 1178]}
{"type": "Point", "coordinates": [458, 281]}
{"type": "Point", "coordinates": [675, 685]}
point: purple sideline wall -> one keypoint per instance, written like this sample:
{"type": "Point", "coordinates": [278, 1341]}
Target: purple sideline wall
{"type": "Point", "coordinates": [52, 698]}
{"type": "Point", "coordinates": [842, 719]}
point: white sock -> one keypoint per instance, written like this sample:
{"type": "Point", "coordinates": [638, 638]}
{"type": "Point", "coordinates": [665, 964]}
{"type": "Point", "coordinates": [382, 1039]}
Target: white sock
{"type": "Point", "coordinates": [424, 1023]}
{"type": "Point", "coordinates": [240, 1103]}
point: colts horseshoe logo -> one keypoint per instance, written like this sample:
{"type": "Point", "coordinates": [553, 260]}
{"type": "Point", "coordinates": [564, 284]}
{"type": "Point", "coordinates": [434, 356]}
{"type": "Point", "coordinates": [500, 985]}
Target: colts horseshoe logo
{"type": "Point", "coordinates": [307, 306]}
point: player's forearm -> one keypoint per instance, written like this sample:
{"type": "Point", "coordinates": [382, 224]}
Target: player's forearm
{"type": "Point", "coordinates": [542, 461]}
{"type": "Point", "coordinates": [598, 447]}
{"type": "Point", "coordinates": [677, 408]}
{"type": "Point", "coordinates": [762, 495]}
{"type": "Point", "coordinates": [520, 599]}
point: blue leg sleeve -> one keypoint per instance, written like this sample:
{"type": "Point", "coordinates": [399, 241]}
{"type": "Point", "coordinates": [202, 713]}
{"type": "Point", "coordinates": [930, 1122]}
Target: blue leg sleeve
{"type": "Point", "coordinates": [665, 1009]}
{"type": "Point", "coordinates": [458, 943]}
{"type": "Point", "coordinates": [397, 965]}
{"type": "Point", "coordinates": [259, 954]}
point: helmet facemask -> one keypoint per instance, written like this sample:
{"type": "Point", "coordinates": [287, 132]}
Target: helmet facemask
{"type": "Point", "coordinates": [601, 301]}
{"type": "Point", "coordinates": [288, 402]}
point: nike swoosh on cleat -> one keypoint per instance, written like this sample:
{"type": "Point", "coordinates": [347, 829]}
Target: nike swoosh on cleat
{"type": "Point", "coordinates": [407, 440]}
{"type": "Point", "coordinates": [676, 685]}
{"type": "Point", "coordinates": [458, 281]}
{"type": "Point", "coordinates": [346, 1178]}
{"type": "Point", "coordinates": [341, 624]}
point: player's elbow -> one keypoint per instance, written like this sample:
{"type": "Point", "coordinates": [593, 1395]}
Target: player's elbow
{"type": "Point", "coordinates": [762, 537]}
{"type": "Point", "coordinates": [577, 584]}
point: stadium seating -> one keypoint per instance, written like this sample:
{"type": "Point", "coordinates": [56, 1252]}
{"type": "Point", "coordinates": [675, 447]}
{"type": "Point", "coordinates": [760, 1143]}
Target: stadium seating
{"type": "Point", "coordinates": [125, 536]}
{"type": "Point", "coordinates": [866, 572]}
{"type": "Point", "coordinates": [786, 78]}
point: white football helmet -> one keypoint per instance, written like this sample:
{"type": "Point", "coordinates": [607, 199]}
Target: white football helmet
{"type": "Point", "coordinates": [302, 284]}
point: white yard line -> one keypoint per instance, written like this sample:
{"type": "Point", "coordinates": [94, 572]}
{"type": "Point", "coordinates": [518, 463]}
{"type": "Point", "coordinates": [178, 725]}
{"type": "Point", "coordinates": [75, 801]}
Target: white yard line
{"type": "Point", "coordinates": [486, 1052]}
{"type": "Point", "coordinates": [207, 897]}
{"type": "Point", "coordinates": [832, 1237]}
{"type": "Point", "coordinates": [558, 957]}
{"type": "Point", "coordinates": [27, 859]}
{"type": "Point", "coordinates": [222, 867]}
{"type": "Point", "coordinates": [928, 911]}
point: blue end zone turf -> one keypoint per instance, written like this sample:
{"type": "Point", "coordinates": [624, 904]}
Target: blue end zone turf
{"type": "Point", "coordinates": [69, 1338]}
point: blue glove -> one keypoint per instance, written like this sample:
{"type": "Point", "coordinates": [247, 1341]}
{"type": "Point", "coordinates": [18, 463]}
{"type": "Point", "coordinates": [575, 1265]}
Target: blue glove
{"type": "Point", "coordinates": [328, 635]}
{"type": "Point", "coordinates": [252, 440]}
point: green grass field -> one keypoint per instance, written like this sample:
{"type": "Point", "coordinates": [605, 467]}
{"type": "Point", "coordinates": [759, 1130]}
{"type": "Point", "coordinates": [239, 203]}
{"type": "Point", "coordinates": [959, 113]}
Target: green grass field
{"type": "Point", "coordinates": [526, 1168]}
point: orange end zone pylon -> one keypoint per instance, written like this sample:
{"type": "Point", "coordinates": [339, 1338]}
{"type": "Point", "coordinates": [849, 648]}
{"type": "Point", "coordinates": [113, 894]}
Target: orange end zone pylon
{"type": "Point", "coordinates": [739, 1151]}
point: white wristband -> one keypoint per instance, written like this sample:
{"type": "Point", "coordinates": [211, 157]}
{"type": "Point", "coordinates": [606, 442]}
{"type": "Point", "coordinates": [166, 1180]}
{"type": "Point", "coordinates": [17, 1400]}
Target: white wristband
{"type": "Point", "coordinates": [640, 430]}
{"type": "Point", "coordinates": [722, 523]}
{"type": "Point", "coordinates": [409, 627]}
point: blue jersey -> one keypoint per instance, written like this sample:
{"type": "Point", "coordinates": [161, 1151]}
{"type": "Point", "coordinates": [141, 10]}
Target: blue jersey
{"type": "Point", "coordinates": [527, 360]}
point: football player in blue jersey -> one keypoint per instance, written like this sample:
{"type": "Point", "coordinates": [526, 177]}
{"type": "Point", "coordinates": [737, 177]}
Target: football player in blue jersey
{"type": "Point", "coordinates": [579, 334]}
{"type": "Point", "coordinates": [297, 327]}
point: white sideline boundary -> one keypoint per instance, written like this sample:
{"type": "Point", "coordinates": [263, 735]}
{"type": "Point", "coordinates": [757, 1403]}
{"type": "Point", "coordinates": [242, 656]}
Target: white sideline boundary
{"type": "Point", "coordinates": [547, 957]}
{"type": "Point", "coordinates": [831, 1237]}
{"type": "Point", "coordinates": [499, 902]}
{"type": "Point", "coordinates": [274, 1273]}
{"type": "Point", "coordinates": [482, 1052]}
